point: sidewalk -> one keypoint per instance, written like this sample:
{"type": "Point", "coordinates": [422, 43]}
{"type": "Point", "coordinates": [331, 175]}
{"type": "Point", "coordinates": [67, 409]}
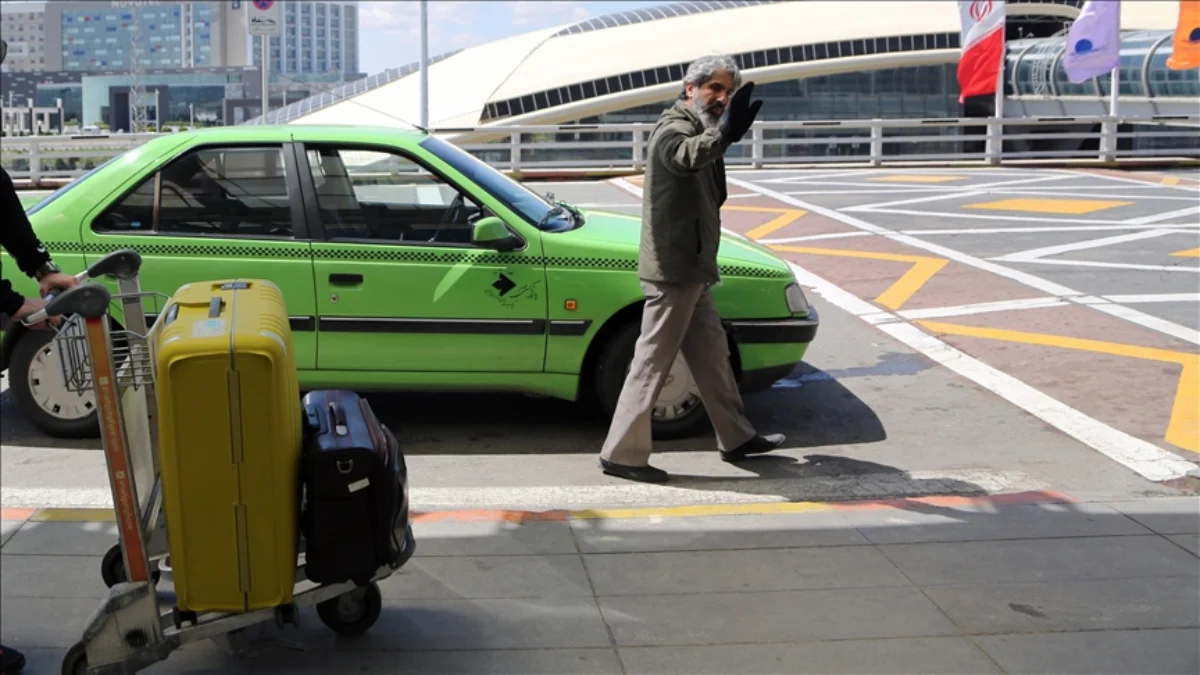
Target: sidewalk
{"type": "Point", "coordinates": [1027, 583]}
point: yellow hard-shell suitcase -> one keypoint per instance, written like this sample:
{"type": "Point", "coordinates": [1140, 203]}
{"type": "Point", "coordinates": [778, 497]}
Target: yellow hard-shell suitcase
{"type": "Point", "coordinates": [230, 441]}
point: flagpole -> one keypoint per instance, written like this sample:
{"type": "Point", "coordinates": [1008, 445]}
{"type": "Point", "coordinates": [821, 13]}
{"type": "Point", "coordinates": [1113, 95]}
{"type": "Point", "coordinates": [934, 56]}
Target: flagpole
{"type": "Point", "coordinates": [1110, 128]}
{"type": "Point", "coordinates": [995, 141]}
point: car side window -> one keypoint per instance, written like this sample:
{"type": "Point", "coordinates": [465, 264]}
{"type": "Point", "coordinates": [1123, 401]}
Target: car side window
{"type": "Point", "coordinates": [221, 191]}
{"type": "Point", "coordinates": [381, 196]}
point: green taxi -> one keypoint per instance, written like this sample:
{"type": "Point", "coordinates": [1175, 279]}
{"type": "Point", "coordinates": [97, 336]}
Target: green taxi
{"type": "Point", "coordinates": [406, 264]}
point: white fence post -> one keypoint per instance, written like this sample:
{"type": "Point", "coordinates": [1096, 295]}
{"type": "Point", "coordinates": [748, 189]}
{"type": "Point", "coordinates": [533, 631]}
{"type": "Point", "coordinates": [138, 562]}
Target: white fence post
{"type": "Point", "coordinates": [35, 161]}
{"type": "Point", "coordinates": [638, 136]}
{"type": "Point", "coordinates": [876, 142]}
{"type": "Point", "coordinates": [514, 151]}
{"type": "Point", "coordinates": [756, 146]}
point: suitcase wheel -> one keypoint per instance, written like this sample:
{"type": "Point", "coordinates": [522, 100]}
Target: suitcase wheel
{"type": "Point", "coordinates": [354, 612]}
{"type": "Point", "coordinates": [112, 568]}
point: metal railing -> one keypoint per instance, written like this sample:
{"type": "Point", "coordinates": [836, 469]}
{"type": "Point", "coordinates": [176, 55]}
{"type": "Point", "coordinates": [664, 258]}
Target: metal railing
{"type": "Point", "coordinates": [620, 148]}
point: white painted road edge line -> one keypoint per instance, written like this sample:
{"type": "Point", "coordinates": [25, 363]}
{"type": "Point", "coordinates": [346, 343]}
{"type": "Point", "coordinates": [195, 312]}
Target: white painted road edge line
{"type": "Point", "coordinates": [1043, 285]}
{"type": "Point", "coordinates": [981, 308]}
{"type": "Point", "coordinates": [1159, 217]}
{"type": "Point", "coordinates": [1147, 459]}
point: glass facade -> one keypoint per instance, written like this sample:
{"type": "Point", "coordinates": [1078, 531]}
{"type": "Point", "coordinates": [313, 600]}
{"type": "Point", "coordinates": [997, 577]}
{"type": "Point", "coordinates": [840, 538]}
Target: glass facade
{"type": "Point", "coordinates": [205, 93]}
{"type": "Point", "coordinates": [168, 36]}
{"type": "Point", "coordinates": [1038, 68]}
{"type": "Point", "coordinates": [318, 37]}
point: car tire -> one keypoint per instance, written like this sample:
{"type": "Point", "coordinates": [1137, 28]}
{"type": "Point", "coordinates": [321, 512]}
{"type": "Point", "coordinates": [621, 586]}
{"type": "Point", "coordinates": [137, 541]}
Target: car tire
{"type": "Point", "coordinates": [611, 370]}
{"type": "Point", "coordinates": [35, 357]}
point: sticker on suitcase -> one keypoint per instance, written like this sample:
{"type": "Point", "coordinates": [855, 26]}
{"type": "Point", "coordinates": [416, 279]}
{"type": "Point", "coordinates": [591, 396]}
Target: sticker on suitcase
{"type": "Point", "coordinates": [208, 328]}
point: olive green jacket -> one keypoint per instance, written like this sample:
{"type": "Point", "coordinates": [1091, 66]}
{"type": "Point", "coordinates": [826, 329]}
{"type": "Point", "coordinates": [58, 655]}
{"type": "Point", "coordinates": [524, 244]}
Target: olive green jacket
{"type": "Point", "coordinates": [682, 194]}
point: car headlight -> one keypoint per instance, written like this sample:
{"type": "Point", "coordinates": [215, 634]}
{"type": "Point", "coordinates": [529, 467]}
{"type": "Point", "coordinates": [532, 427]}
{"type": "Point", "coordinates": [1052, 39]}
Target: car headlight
{"type": "Point", "coordinates": [796, 302]}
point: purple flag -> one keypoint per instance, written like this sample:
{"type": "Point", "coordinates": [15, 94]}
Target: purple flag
{"type": "Point", "coordinates": [1094, 41]}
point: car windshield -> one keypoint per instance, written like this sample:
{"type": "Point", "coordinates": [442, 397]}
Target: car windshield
{"type": "Point", "coordinates": [68, 187]}
{"type": "Point", "coordinates": [532, 207]}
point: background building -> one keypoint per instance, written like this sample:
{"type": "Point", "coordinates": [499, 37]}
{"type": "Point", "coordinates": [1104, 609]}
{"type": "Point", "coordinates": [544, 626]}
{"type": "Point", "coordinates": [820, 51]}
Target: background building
{"type": "Point", "coordinates": [197, 57]}
{"type": "Point", "coordinates": [23, 28]}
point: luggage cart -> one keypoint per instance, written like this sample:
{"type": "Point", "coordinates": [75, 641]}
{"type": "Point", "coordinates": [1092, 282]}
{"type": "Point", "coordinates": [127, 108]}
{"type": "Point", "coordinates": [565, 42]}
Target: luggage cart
{"type": "Point", "coordinates": [130, 630]}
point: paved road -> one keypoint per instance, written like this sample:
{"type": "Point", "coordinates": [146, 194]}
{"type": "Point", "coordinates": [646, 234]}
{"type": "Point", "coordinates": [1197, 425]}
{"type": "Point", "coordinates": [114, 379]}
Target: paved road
{"type": "Point", "coordinates": [952, 345]}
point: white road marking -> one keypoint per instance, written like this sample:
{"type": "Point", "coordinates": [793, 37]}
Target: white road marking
{"type": "Point", "coordinates": [1034, 254]}
{"type": "Point", "coordinates": [1071, 228]}
{"type": "Point", "coordinates": [627, 186]}
{"type": "Point", "coordinates": [1147, 459]}
{"type": "Point", "coordinates": [1159, 217]}
{"type": "Point", "coordinates": [1150, 321]}
{"type": "Point", "coordinates": [1122, 179]}
{"type": "Point", "coordinates": [1110, 265]}
{"type": "Point", "coordinates": [1141, 298]}
{"type": "Point", "coordinates": [1019, 181]}
{"type": "Point", "coordinates": [979, 216]}
{"type": "Point", "coordinates": [981, 308]}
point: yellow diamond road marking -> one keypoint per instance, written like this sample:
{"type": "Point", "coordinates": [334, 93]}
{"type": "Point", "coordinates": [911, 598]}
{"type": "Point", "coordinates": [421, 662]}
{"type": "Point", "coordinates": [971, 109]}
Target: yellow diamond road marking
{"type": "Point", "coordinates": [1183, 430]}
{"type": "Point", "coordinates": [1073, 207]}
{"type": "Point", "coordinates": [916, 178]}
{"type": "Point", "coordinates": [922, 270]}
{"type": "Point", "coordinates": [1171, 180]}
{"type": "Point", "coordinates": [778, 223]}
{"type": "Point", "coordinates": [1190, 253]}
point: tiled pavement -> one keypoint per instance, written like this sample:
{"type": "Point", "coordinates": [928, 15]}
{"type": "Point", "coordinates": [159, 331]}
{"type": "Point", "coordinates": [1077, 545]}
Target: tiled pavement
{"type": "Point", "coordinates": [1023, 584]}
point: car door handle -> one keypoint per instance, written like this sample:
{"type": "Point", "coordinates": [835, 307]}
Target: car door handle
{"type": "Point", "coordinates": [345, 279]}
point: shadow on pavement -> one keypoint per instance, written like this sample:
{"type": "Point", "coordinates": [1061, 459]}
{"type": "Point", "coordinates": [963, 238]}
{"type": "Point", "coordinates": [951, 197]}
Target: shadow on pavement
{"type": "Point", "coordinates": [811, 406]}
{"type": "Point", "coordinates": [1027, 583]}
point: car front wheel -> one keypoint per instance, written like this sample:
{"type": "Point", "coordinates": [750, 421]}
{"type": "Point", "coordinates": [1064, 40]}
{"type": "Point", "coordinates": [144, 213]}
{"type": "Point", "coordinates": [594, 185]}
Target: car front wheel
{"type": "Point", "coordinates": [678, 411]}
{"type": "Point", "coordinates": [36, 379]}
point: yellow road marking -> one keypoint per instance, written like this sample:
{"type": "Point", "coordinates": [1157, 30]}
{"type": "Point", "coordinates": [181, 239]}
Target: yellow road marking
{"type": "Point", "coordinates": [916, 178]}
{"type": "Point", "coordinates": [1073, 207]}
{"type": "Point", "coordinates": [1171, 180]}
{"type": "Point", "coordinates": [1183, 430]}
{"type": "Point", "coordinates": [757, 209]}
{"type": "Point", "coordinates": [1190, 253]}
{"type": "Point", "coordinates": [923, 269]}
{"type": "Point", "coordinates": [783, 220]}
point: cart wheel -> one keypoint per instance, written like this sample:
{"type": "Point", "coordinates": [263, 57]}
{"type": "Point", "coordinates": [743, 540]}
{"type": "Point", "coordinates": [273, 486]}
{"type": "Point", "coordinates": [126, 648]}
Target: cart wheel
{"type": "Point", "coordinates": [75, 662]}
{"type": "Point", "coordinates": [112, 568]}
{"type": "Point", "coordinates": [352, 613]}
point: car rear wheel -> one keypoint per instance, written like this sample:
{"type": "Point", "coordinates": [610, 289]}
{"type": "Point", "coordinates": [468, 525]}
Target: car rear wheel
{"type": "Point", "coordinates": [678, 412]}
{"type": "Point", "coordinates": [36, 379]}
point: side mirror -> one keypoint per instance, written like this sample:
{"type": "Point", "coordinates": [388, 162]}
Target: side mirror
{"type": "Point", "coordinates": [491, 232]}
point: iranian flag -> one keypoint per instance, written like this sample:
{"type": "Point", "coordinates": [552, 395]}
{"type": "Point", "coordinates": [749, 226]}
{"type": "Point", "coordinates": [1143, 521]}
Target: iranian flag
{"type": "Point", "coordinates": [982, 46]}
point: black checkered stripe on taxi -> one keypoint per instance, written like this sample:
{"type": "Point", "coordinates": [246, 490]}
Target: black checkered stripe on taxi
{"type": "Point", "coordinates": [233, 250]}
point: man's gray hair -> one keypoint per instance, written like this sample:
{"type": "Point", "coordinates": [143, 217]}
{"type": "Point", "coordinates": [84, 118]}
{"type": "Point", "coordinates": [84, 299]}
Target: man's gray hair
{"type": "Point", "coordinates": [702, 69]}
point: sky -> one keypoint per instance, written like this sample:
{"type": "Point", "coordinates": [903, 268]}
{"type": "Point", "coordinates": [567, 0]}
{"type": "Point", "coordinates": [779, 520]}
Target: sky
{"type": "Point", "coordinates": [391, 29]}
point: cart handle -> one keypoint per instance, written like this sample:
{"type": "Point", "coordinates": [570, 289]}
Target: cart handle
{"type": "Point", "coordinates": [122, 264]}
{"type": "Point", "coordinates": [87, 300]}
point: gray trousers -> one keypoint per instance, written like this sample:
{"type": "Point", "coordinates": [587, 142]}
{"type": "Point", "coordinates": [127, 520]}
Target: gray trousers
{"type": "Point", "coordinates": [676, 316]}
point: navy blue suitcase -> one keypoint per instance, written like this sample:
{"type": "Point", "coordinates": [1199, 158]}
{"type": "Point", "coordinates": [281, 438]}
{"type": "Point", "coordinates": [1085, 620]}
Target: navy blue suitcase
{"type": "Point", "coordinates": [355, 516]}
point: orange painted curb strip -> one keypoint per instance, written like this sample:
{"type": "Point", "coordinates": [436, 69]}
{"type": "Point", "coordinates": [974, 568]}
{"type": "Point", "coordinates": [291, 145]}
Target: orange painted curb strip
{"type": "Point", "coordinates": [16, 514]}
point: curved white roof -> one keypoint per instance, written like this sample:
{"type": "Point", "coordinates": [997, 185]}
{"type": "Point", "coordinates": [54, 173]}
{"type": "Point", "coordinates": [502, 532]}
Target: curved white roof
{"type": "Point", "coordinates": [462, 84]}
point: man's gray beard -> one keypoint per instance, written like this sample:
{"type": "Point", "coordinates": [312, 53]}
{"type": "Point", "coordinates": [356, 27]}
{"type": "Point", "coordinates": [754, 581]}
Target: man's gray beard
{"type": "Point", "coordinates": [706, 116]}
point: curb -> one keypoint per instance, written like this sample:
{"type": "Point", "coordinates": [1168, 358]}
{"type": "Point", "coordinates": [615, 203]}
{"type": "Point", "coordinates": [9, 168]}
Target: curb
{"type": "Point", "coordinates": [93, 515]}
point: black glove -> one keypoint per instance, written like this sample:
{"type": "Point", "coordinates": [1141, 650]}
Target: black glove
{"type": "Point", "coordinates": [740, 114]}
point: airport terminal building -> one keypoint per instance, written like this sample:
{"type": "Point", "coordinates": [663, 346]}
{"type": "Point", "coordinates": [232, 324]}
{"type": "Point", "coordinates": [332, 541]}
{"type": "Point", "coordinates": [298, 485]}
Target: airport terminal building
{"type": "Point", "coordinates": [810, 59]}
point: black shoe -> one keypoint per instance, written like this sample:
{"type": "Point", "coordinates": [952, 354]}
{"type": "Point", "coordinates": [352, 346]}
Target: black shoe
{"type": "Point", "coordinates": [11, 660]}
{"type": "Point", "coordinates": [755, 446]}
{"type": "Point", "coordinates": [643, 474]}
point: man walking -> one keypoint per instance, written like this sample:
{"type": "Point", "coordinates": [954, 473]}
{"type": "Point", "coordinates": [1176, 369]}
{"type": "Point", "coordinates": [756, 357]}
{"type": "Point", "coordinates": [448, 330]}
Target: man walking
{"type": "Point", "coordinates": [683, 191]}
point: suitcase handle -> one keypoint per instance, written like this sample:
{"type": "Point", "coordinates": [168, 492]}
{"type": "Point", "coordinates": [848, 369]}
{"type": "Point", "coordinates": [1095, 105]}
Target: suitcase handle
{"type": "Point", "coordinates": [338, 417]}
